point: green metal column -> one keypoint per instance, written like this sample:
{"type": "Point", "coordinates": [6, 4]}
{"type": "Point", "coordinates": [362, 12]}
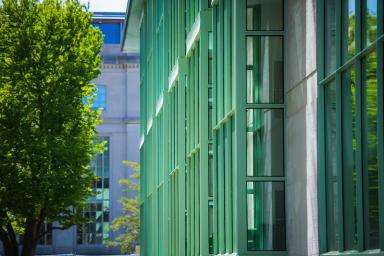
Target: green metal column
{"type": "Point", "coordinates": [239, 82]}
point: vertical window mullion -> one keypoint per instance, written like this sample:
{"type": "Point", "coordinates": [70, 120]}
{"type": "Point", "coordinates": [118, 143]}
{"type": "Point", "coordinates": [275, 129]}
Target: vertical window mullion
{"type": "Point", "coordinates": [380, 116]}
{"type": "Point", "coordinates": [221, 223]}
{"type": "Point", "coordinates": [359, 135]}
{"type": "Point", "coordinates": [214, 135]}
{"type": "Point", "coordinates": [359, 160]}
{"type": "Point", "coordinates": [341, 22]}
{"type": "Point", "coordinates": [321, 127]}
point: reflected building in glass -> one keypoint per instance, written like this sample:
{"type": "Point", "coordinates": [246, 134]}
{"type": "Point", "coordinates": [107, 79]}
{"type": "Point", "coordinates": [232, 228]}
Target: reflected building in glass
{"type": "Point", "coordinates": [261, 126]}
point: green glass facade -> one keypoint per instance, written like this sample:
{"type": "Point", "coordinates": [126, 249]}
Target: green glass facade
{"type": "Point", "coordinates": [227, 167]}
{"type": "Point", "coordinates": [213, 128]}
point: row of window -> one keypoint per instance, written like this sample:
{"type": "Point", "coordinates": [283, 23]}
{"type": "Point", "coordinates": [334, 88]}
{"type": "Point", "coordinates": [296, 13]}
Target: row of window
{"type": "Point", "coordinates": [97, 231]}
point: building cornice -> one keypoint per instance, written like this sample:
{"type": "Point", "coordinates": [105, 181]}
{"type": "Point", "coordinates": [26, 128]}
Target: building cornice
{"type": "Point", "coordinates": [121, 66]}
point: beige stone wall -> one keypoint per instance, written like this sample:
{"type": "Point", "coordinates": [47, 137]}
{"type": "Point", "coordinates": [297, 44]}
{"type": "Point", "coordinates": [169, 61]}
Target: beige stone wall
{"type": "Point", "coordinates": [302, 209]}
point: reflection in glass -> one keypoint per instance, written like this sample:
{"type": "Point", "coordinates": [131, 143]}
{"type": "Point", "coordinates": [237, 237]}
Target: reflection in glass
{"type": "Point", "coordinates": [265, 216]}
{"type": "Point", "coordinates": [349, 16]}
{"type": "Point", "coordinates": [265, 142]}
{"type": "Point", "coordinates": [210, 226]}
{"type": "Point", "coordinates": [371, 19]}
{"type": "Point", "coordinates": [330, 37]}
{"type": "Point", "coordinates": [265, 14]}
{"type": "Point", "coordinates": [331, 175]}
{"type": "Point", "coordinates": [210, 176]}
{"type": "Point", "coordinates": [210, 121]}
{"type": "Point", "coordinates": [349, 158]}
{"type": "Point", "coordinates": [210, 57]}
{"type": "Point", "coordinates": [371, 168]}
{"type": "Point", "coordinates": [265, 69]}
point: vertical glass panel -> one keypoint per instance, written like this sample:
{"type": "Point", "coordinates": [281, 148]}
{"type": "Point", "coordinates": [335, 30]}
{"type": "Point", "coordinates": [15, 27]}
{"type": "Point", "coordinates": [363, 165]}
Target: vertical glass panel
{"type": "Point", "coordinates": [265, 14]}
{"type": "Point", "coordinates": [99, 165]}
{"type": "Point", "coordinates": [210, 131]}
{"type": "Point", "coordinates": [210, 226]}
{"type": "Point", "coordinates": [161, 221]}
{"type": "Point", "coordinates": [371, 185]}
{"type": "Point", "coordinates": [349, 143]}
{"type": "Point", "coordinates": [210, 57]}
{"type": "Point", "coordinates": [330, 37]}
{"type": "Point", "coordinates": [371, 19]}
{"type": "Point", "coordinates": [106, 158]}
{"type": "Point", "coordinates": [265, 216]}
{"type": "Point", "coordinates": [265, 142]}
{"type": "Point", "coordinates": [210, 176]}
{"type": "Point", "coordinates": [265, 69]}
{"type": "Point", "coordinates": [349, 27]}
{"type": "Point", "coordinates": [331, 161]}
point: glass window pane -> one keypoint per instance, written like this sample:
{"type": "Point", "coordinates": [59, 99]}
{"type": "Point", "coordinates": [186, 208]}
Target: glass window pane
{"type": "Point", "coordinates": [265, 142]}
{"type": "Point", "coordinates": [265, 69]}
{"type": "Point", "coordinates": [265, 216]}
{"type": "Point", "coordinates": [265, 14]}
{"type": "Point", "coordinates": [210, 176]}
{"type": "Point", "coordinates": [349, 19]}
{"type": "Point", "coordinates": [210, 57]}
{"type": "Point", "coordinates": [330, 37]}
{"type": "Point", "coordinates": [99, 101]}
{"type": "Point", "coordinates": [210, 226]}
{"type": "Point", "coordinates": [349, 143]}
{"type": "Point", "coordinates": [371, 164]}
{"type": "Point", "coordinates": [331, 161]}
{"type": "Point", "coordinates": [371, 19]}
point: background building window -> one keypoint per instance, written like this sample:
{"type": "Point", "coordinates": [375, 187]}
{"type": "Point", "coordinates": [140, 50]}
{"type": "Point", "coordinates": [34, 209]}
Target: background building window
{"type": "Point", "coordinates": [97, 232]}
{"type": "Point", "coordinates": [46, 238]}
{"type": "Point", "coordinates": [100, 101]}
{"type": "Point", "coordinates": [111, 32]}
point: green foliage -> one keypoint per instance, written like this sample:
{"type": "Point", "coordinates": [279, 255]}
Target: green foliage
{"type": "Point", "coordinates": [49, 53]}
{"type": "Point", "coordinates": [129, 222]}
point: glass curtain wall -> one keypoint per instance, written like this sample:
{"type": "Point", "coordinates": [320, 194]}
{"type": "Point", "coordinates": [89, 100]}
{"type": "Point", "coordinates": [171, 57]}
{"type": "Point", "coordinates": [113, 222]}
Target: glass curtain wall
{"type": "Point", "coordinates": [222, 211]}
{"type": "Point", "coordinates": [351, 126]}
{"type": "Point", "coordinates": [265, 174]}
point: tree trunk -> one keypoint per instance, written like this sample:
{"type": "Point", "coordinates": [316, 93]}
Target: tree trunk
{"type": "Point", "coordinates": [30, 238]}
{"type": "Point", "coordinates": [10, 247]}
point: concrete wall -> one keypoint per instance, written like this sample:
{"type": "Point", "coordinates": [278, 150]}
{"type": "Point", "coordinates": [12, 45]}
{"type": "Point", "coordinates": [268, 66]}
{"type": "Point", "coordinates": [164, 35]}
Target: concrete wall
{"type": "Point", "coordinates": [302, 209]}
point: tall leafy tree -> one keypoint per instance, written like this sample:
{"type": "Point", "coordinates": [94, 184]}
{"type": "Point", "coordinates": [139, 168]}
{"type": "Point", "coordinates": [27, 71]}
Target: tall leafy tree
{"type": "Point", "coordinates": [129, 222]}
{"type": "Point", "coordinates": [49, 53]}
